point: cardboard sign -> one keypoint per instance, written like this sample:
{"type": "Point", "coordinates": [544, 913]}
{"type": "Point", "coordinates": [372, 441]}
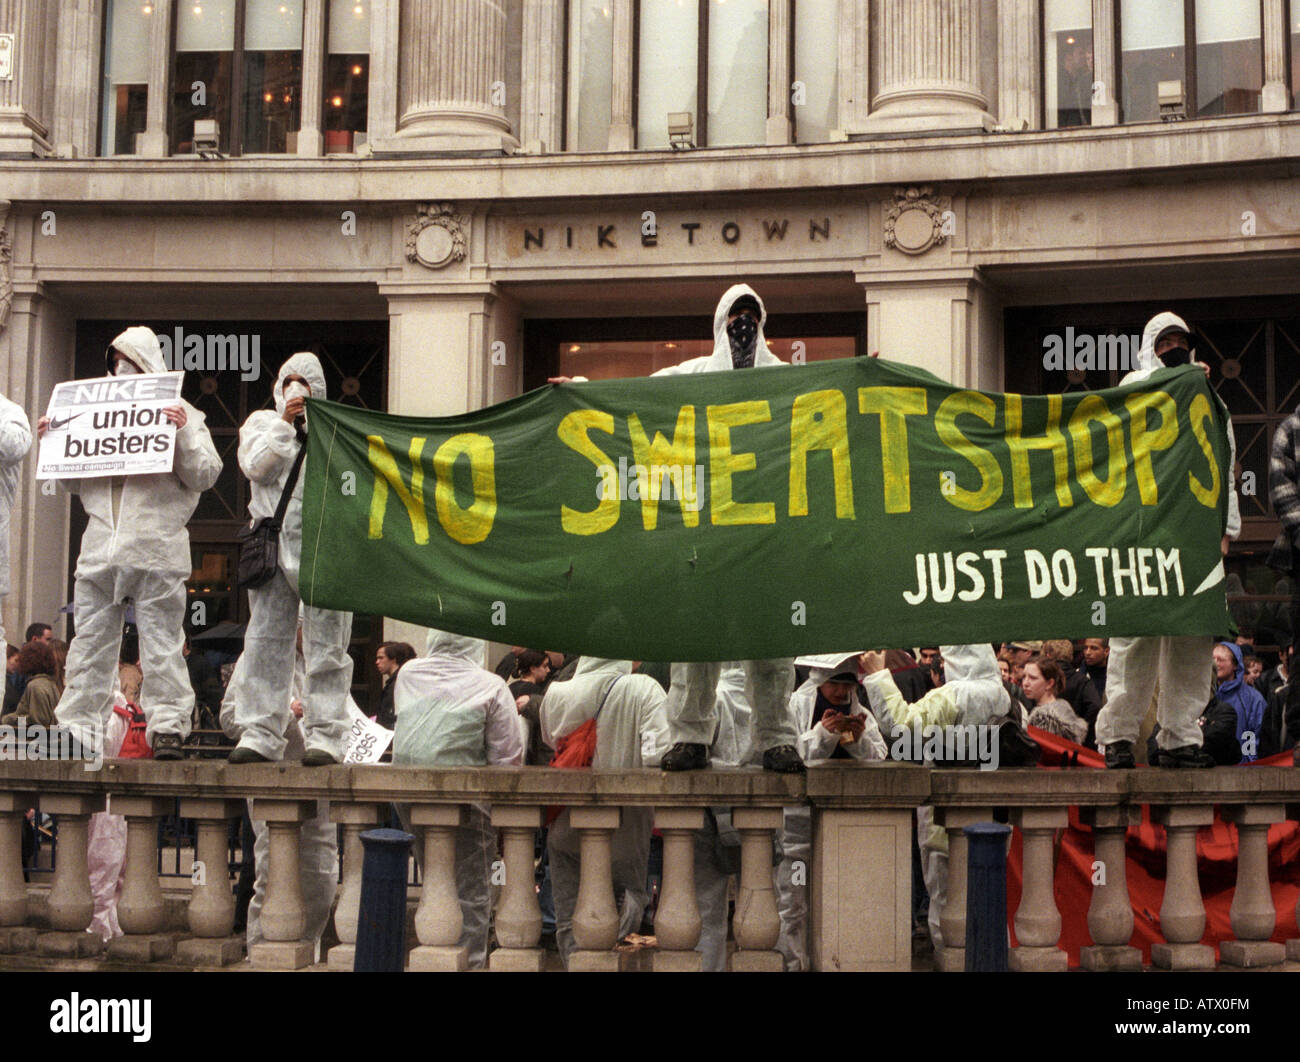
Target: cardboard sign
{"type": "Point", "coordinates": [365, 740]}
{"type": "Point", "coordinates": [110, 426]}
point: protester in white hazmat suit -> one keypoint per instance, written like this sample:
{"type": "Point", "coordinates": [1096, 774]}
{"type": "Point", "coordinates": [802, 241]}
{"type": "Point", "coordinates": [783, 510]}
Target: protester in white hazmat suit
{"type": "Point", "coordinates": [15, 441]}
{"type": "Point", "coordinates": [972, 695]}
{"type": "Point", "coordinates": [136, 550]}
{"type": "Point", "coordinates": [631, 731]}
{"type": "Point", "coordinates": [268, 444]}
{"type": "Point", "coordinates": [738, 343]}
{"type": "Point", "coordinates": [452, 712]}
{"type": "Point", "coordinates": [1177, 665]}
{"type": "Point", "coordinates": [106, 839]}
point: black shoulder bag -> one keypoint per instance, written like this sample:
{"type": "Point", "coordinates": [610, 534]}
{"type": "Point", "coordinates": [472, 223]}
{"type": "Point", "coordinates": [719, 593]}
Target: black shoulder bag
{"type": "Point", "coordinates": [259, 540]}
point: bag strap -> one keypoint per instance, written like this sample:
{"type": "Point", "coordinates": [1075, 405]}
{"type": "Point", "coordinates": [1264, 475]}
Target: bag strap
{"type": "Point", "coordinates": [283, 507]}
{"type": "Point", "coordinates": [605, 696]}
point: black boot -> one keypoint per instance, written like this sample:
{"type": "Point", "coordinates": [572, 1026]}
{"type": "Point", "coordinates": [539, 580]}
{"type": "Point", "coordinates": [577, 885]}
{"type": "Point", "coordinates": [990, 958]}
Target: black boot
{"type": "Point", "coordinates": [685, 756]}
{"type": "Point", "coordinates": [784, 759]}
{"type": "Point", "coordinates": [1119, 754]}
{"type": "Point", "coordinates": [1184, 756]}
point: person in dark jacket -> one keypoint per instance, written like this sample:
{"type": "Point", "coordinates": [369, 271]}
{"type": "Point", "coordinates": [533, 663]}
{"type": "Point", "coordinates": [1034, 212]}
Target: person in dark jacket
{"type": "Point", "coordinates": [1229, 671]}
{"type": "Point", "coordinates": [1281, 724]}
{"type": "Point", "coordinates": [528, 686]}
{"type": "Point", "coordinates": [1219, 728]}
{"type": "Point", "coordinates": [1078, 691]}
{"type": "Point", "coordinates": [389, 658]}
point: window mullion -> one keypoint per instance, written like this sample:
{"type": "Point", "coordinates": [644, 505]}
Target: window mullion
{"type": "Point", "coordinates": [702, 77]}
{"type": "Point", "coordinates": [237, 83]}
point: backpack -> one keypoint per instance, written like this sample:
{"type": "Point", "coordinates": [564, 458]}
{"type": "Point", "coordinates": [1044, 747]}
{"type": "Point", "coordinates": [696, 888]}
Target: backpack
{"type": "Point", "coordinates": [577, 749]}
{"type": "Point", "coordinates": [135, 746]}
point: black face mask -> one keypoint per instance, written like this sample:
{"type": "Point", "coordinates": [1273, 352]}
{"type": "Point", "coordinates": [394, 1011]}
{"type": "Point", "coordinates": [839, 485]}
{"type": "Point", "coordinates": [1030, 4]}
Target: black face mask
{"type": "Point", "coordinates": [743, 334]}
{"type": "Point", "coordinates": [1176, 356]}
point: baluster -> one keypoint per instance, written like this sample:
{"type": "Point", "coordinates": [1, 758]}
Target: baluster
{"type": "Point", "coordinates": [1182, 914]}
{"type": "Point", "coordinates": [1110, 914]}
{"type": "Point", "coordinates": [356, 819]}
{"type": "Point", "coordinates": [15, 936]}
{"type": "Point", "coordinates": [283, 916]}
{"type": "Point", "coordinates": [519, 916]}
{"type": "Point", "coordinates": [1253, 915]}
{"type": "Point", "coordinates": [677, 921]}
{"type": "Point", "coordinates": [595, 917]}
{"type": "Point", "coordinates": [1038, 922]}
{"type": "Point", "coordinates": [141, 910]}
{"type": "Point", "coordinates": [757, 923]}
{"type": "Point", "coordinates": [211, 913]}
{"type": "Point", "coordinates": [438, 919]}
{"type": "Point", "coordinates": [71, 903]}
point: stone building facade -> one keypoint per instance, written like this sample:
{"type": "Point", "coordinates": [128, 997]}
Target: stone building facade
{"type": "Point", "coordinates": [452, 199]}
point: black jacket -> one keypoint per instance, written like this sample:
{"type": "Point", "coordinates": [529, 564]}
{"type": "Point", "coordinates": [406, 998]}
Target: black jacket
{"type": "Point", "coordinates": [1219, 729]}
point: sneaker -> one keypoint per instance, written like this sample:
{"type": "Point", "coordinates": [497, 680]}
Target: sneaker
{"type": "Point", "coordinates": [1184, 756]}
{"type": "Point", "coordinates": [784, 759]}
{"type": "Point", "coordinates": [1119, 754]}
{"type": "Point", "coordinates": [167, 747]}
{"type": "Point", "coordinates": [318, 758]}
{"type": "Point", "coordinates": [685, 756]}
{"type": "Point", "coordinates": [243, 754]}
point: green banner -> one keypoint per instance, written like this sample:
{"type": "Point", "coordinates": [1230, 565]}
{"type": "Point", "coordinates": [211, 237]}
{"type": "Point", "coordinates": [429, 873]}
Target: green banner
{"type": "Point", "coordinates": [775, 511]}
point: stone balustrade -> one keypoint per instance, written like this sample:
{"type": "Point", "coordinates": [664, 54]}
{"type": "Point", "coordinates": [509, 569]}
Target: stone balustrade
{"type": "Point", "coordinates": [858, 880]}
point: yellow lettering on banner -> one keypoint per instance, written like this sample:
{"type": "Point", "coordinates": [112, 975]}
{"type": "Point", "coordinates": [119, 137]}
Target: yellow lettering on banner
{"type": "Point", "coordinates": [677, 460]}
{"type": "Point", "coordinates": [471, 525]}
{"type": "Point", "coordinates": [819, 421]}
{"type": "Point", "coordinates": [1199, 412]}
{"type": "Point", "coordinates": [945, 426]}
{"type": "Point", "coordinates": [573, 431]}
{"type": "Point", "coordinates": [1052, 439]}
{"type": "Point", "coordinates": [387, 473]}
{"type": "Point", "coordinates": [1143, 440]}
{"type": "Point", "coordinates": [894, 404]}
{"type": "Point", "coordinates": [723, 464]}
{"type": "Point", "coordinates": [1092, 409]}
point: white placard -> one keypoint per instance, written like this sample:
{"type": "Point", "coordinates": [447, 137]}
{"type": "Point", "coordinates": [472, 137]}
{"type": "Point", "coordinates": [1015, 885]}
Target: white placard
{"type": "Point", "coordinates": [110, 426]}
{"type": "Point", "coordinates": [366, 740]}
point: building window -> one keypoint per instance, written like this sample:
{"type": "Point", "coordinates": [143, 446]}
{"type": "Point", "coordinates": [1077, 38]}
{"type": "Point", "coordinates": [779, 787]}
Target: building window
{"type": "Point", "coordinates": [238, 62]}
{"type": "Point", "coordinates": [1222, 73]}
{"type": "Point", "coordinates": [816, 73]}
{"type": "Point", "coordinates": [737, 72]}
{"type": "Point", "coordinates": [591, 74]}
{"type": "Point", "coordinates": [347, 74]}
{"type": "Point", "coordinates": [667, 70]}
{"type": "Point", "coordinates": [1295, 54]}
{"type": "Point", "coordinates": [126, 75]}
{"type": "Point", "coordinates": [1067, 63]}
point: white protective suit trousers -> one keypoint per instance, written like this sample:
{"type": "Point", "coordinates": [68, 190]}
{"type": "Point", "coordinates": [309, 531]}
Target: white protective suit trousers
{"type": "Point", "coordinates": [630, 860]}
{"type": "Point", "coordinates": [693, 702]}
{"type": "Point", "coordinates": [711, 887]}
{"type": "Point", "coordinates": [106, 862]}
{"type": "Point", "coordinates": [934, 869]}
{"type": "Point", "coordinates": [266, 674]}
{"type": "Point", "coordinates": [792, 894]}
{"type": "Point", "coordinates": [166, 696]}
{"type": "Point", "coordinates": [1182, 668]}
{"type": "Point", "coordinates": [318, 873]}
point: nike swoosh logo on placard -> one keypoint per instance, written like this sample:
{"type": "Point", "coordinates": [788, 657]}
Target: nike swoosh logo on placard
{"type": "Point", "coordinates": [55, 425]}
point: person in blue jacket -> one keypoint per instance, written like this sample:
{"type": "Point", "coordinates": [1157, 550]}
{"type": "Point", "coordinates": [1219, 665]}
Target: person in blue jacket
{"type": "Point", "coordinates": [1248, 702]}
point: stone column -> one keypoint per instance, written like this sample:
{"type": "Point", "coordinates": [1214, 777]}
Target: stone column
{"type": "Point", "coordinates": [541, 118]}
{"type": "Point", "coordinates": [439, 348]}
{"type": "Point", "coordinates": [677, 921]}
{"type": "Point", "coordinates": [1105, 64]}
{"type": "Point", "coordinates": [355, 819]}
{"type": "Point", "coordinates": [1038, 922]}
{"type": "Point", "coordinates": [25, 97]}
{"type": "Point", "coordinates": [311, 141]}
{"type": "Point", "coordinates": [757, 924]}
{"type": "Point", "coordinates": [1110, 914]}
{"type": "Point", "coordinates": [622, 133]}
{"type": "Point", "coordinates": [284, 920]}
{"type": "Point", "coordinates": [141, 910]}
{"type": "Point", "coordinates": [211, 912]}
{"type": "Point", "coordinates": [1019, 82]}
{"type": "Point", "coordinates": [76, 90]}
{"type": "Point", "coordinates": [929, 68]}
{"type": "Point", "coordinates": [780, 72]}
{"type": "Point", "coordinates": [595, 917]}
{"type": "Point", "coordinates": [1182, 914]}
{"type": "Point", "coordinates": [854, 65]}
{"type": "Point", "coordinates": [14, 935]}
{"type": "Point", "coordinates": [438, 921]}
{"type": "Point", "coordinates": [153, 141]}
{"type": "Point", "coordinates": [1253, 915]}
{"type": "Point", "coordinates": [1277, 40]}
{"type": "Point", "coordinates": [71, 904]}
{"type": "Point", "coordinates": [451, 86]}
{"type": "Point", "coordinates": [952, 921]}
{"type": "Point", "coordinates": [385, 32]}
{"type": "Point", "coordinates": [518, 916]}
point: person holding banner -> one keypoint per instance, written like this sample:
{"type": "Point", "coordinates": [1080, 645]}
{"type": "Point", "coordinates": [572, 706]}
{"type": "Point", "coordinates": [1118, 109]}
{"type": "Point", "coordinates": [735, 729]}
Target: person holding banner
{"type": "Point", "coordinates": [15, 441]}
{"type": "Point", "coordinates": [1178, 664]}
{"type": "Point", "coordinates": [136, 551]}
{"type": "Point", "coordinates": [269, 444]}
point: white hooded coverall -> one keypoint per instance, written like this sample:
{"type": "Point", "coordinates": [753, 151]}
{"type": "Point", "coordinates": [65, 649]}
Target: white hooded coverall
{"type": "Point", "coordinates": [1180, 665]}
{"type": "Point", "coordinates": [15, 441]}
{"type": "Point", "coordinates": [267, 448]}
{"type": "Point", "coordinates": [972, 695]}
{"type": "Point", "coordinates": [452, 712]}
{"type": "Point", "coordinates": [136, 549]}
{"type": "Point", "coordinates": [631, 731]}
{"type": "Point", "coordinates": [692, 695]}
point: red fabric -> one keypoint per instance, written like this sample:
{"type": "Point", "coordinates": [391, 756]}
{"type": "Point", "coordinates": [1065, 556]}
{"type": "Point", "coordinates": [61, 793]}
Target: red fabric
{"type": "Point", "coordinates": [1216, 862]}
{"type": "Point", "coordinates": [577, 749]}
{"type": "Point", "coordinates": [135, 746]}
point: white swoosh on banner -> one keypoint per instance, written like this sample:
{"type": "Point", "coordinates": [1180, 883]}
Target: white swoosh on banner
{"type": "Point", "coordinates": [1215, 577]}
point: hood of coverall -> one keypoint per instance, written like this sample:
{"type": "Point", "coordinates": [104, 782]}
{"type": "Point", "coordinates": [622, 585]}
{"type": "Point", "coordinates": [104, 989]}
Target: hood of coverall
{"type": "Point", "coordinates": [720, 359]}
{"type": "Point", "coordinates": [460, 646]}
{"type": "Point", "coordinates": [306, 365]}
{"type": "Point", "coordinates": [1156, 327]}
{"type": "Point", "coordinates": [972, 677]}
{"type": "Point", "coordinates": [141, 346]}
{"type": "Point", "coordinates": [822, 666]}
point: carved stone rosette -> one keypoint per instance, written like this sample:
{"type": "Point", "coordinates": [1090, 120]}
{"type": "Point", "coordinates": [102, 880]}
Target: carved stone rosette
{"type": "Point", "coordinates": [914, 221]}
{"type": "Point", "coordinates": [436, 237]}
